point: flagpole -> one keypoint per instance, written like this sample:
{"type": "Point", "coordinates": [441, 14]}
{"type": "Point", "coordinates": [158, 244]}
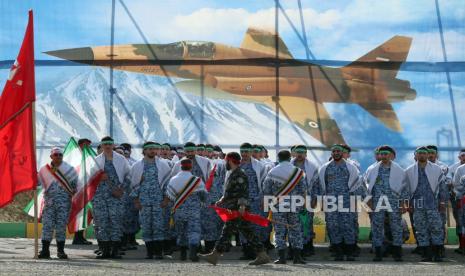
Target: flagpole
{"type": "Point", "coordinates": [36, 211]}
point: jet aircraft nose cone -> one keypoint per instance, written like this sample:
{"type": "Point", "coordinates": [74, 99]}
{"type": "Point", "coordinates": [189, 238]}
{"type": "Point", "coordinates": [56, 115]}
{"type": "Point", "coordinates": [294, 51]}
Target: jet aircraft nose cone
{"type": "Point", "coordinates": [84, 55]}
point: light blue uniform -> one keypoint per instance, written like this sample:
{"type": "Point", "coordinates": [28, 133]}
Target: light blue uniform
{"type": "Point", "coordinates": [107, 208]}
{"type": "Point", "coordinates": [55, 214]}
{"type": "Point", "coordinates": [211, 222]}
{"type": "Point", "coordinates": [383, 188]}
{"type": "Point", "coordinates": [426, 216]}
{"type": "Point", "coordinates": [150, 194]}
{"type": "Point", "coordinates": [271, 187]}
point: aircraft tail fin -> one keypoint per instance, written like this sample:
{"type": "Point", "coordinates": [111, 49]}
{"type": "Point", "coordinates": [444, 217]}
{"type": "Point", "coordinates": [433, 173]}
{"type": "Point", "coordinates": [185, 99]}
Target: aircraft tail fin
{"type": "Point", "coordinates": [392, 52]}
{"type": "Point", "coordinates": [385, 113]}
{"type": "Point", "coordinates": [264, 41]}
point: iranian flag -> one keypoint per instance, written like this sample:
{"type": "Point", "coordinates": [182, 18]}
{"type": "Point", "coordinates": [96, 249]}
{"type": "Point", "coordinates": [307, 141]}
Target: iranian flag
{"type": "Point", "coordinates": [83, 160]}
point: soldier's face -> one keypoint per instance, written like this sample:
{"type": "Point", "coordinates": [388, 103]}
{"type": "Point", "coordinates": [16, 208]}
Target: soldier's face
{"type": "Point", "coordinates": [346, 155]}
{"type": "Point", "coordinates": [300, 156]}
{"type": "Point", "coordinates": [336, 154]}
{"type": "Point", "coordinates": [245, 154]}
{"type": "Point", "coordinates": [385, 157]}
{"type": "Point", "coordinates": [377, 157]}
{"type": "Point", "coordinates": [57, 157]}
{"type": "Point", "coordinates": [462, 158]}
{"type": "Point", "coordinates": [190, 154]}
{"type": "Point", "coordinates": [421, 157]}
{"type": "Point", "coordinates": [151, 152]}
{"type": "Point", "coordinates": [107, 147]}
{"type": "Point", "coordinates": [229, 165]}
{"type": "Point", "coordinates": [256, 154]}
{"type": "Point", "coordinates": [432, 156]}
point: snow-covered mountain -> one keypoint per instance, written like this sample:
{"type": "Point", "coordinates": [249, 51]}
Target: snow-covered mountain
{"type": "Point", "coordinates": [80, 107]}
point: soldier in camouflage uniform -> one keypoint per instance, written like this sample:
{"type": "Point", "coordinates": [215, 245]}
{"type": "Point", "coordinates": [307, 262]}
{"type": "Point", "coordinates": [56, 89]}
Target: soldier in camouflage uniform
{"type": "Point", "coordinates": [58, 180]}
{"type": "Point", "coordinates": [235, 198]}
{"type": "Point", "coordinates": [187, 214]}
{"type": "Point", "coordinates": [201, 166]}
{"type": "Point", "coordinates": [428, 196]}
{"type": "Point", "coordinates": [339, 180]}
{"type": "Point", "coordinates": [286, 177]}
{"type": "Point", "coordinates": [256, 173]}
{"type": "Point", "coordinates": [385, 181]}
{"type": "Point", "coordinates": [107, 204]}
{"type": "Point", "coordinates": [311, 170]}
{"type": "Point", "coordinates": [131, 214]}
{"type": "Point", "coordinates": [148, 177]}
{"type": "Point", "coordinates": [211, 223]}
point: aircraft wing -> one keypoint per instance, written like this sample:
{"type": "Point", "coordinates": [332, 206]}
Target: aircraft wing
{"type": "Point", "coordinates": [310, 116]}
{"type": "Point", "coordinates": [384, 113]}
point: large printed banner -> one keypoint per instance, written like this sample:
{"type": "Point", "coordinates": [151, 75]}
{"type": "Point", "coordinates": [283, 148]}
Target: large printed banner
{"type": "Point", "coordinates": [359, 72]}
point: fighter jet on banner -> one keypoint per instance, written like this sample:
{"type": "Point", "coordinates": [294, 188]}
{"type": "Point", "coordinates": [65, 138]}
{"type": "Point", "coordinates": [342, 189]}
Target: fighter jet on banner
{"type": "Point", "coordinates": [369, 82]}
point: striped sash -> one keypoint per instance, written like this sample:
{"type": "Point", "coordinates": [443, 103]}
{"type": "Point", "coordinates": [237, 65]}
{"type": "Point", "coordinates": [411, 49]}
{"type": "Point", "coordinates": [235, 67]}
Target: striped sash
{"type": "Point", "coordinates": [61, 178]}
{"type": "Point", "coordinates": [290, 183]}
{"type": "Point", "coordinates": [189, 187]}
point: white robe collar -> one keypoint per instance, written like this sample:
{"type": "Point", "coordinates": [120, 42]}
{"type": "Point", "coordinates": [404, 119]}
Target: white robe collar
{"type": "Point", "coordinates": [310, 170]}
{"type": "Point", "coordinates": [434, 173]}
{"type": "Point", "coordinates": [354, 176]}
{"type": "Point", "coordinates": [396, 177]}
{"type": "Point", "coordinates": [119, 162]}
{"type": "Point", "coordinates": [163, 168]}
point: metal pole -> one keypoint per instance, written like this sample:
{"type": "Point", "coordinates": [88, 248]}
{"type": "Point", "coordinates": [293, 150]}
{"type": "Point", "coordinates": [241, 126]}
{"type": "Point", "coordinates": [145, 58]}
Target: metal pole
{"type": "Point", "coordinates": [276, 45]}
{"type": "Point", "coordinates": [36, 203]}
{"type": "Point", "coordinates": [112, 44]}
{"type": "Point", "coordinates": [449, 83]}
{"type": "Point", "coordinates": [202, 104]}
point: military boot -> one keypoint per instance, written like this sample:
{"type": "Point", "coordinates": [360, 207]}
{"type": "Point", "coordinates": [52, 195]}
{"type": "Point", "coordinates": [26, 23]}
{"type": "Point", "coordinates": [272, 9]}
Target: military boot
{"type": "Point", "coordinates": [45, 252]}
{"type": "Point", "coordinates": [105, 249]}
{"type": "Point", "coordinates": [282, 257]}
{"type": "Point", "coordinates": [437, 254]}
{"type": "Point", "coordinates": [183, 253]}
{"type": "Point", "coordinates": [193, 253]}
{"type": "Point", "coordinates": [149, 248]}
{"type": "Point", "coordinates": [61, 250]}
{"type": "Point", "coordinates": [262, 258]}
{"type": "Point", "coordinates": [338, 252]}
{"type": "Point", "coordinates": [298, 257]}
{"type": "Point", "coordinates": [211, 258]}
{"type": "Point", "coordinates": [378, 254]}
{"type": "Point", "coordinates": [427, 254]}
{"type": "Point", "coordinates": [158, 250]}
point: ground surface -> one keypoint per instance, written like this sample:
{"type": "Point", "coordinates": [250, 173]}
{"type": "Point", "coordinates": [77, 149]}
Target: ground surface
{"type": "Point", "coordinates": [15, 259]}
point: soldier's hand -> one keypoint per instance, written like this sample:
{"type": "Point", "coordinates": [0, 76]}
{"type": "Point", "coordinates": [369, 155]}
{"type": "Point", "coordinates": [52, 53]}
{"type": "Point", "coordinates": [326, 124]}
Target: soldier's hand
{"type": "Point", "coordinates": [442, 207]}
{"type": "Point", "coordinates": [104, 176]}
{"type": "Point", "coordinates": [313, 203]}
{"type": "Point", "coordinates": [242, 209]}
{"type": "Point", "coordinates": [137, 204]}
{"type": "Point", "coordinates": [165, 202]}
{"type": "Point", "coordinates": [370, 204]}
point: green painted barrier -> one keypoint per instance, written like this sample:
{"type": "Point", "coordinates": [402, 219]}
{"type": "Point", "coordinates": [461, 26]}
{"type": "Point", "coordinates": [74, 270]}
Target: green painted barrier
{"type": "Point", "coordinates": [12, 230]}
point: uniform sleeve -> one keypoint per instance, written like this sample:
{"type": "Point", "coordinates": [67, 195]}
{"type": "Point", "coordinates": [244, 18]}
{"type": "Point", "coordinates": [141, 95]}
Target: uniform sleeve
{"type": "Point", "coordinates": [443, 191]}
{"type": "Point", "coordinates": [244, 190]}
{"type": "Point", "coordinates": [404, 193]}
{"type": "Point", "coordinates": [361, 190]}
{"type": "Point", "coordinates": [267, 186]}
{"type": "Point", "coordinates": [316, 187]}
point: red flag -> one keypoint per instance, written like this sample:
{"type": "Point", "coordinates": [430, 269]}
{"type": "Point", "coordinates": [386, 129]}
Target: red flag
{"type": "Point", "coordinates": [209, 183]}
{"type": "Point", "coordinates": [227, 215]}
{"type": "Point", "coordinates": [18, 169]}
